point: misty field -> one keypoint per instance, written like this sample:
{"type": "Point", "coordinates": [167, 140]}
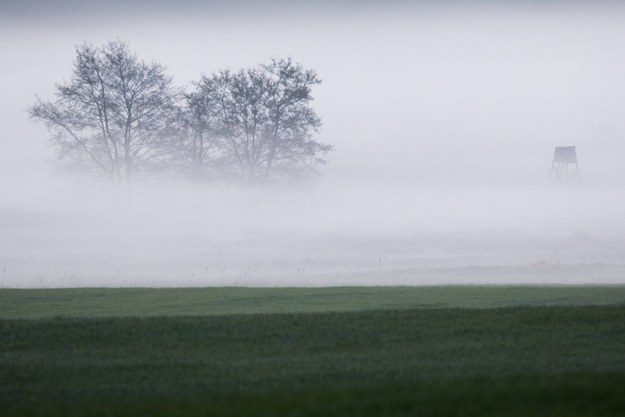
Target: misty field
{"type": "Point", "coordinates": [313, 352]}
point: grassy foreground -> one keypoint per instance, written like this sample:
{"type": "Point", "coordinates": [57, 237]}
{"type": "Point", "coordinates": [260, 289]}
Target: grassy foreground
{"type": "Point", "coordinates": [540, 361]}
{"type": "Point", "coordinates": [122, 302]}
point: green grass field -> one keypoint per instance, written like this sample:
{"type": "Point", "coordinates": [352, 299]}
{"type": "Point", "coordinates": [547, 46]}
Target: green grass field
{"type": "Point", "coordinates": [142, 302]}
{"type": "Point", "coordinates": [431, 351]}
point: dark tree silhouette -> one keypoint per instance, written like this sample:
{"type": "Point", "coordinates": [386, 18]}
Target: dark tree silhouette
{"type": "Point", "coordinates": [120, 116]}
{"type": "Point", "coordinates": [199, 135]}
{"type": "Point", "coordinates": [111, 115]}
{"type": "Point", "coordinates": [265, 120]}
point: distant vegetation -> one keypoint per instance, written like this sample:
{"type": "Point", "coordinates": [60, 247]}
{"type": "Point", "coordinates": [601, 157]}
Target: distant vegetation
{"type": "Point", "coordinates": [121, 118]}
{"type": "Point", "coordinates": [513, 361]}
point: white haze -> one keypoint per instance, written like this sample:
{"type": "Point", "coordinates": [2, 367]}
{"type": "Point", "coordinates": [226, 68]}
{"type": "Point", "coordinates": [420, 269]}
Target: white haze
{"type": "Point", "coordinates": [444, 119]}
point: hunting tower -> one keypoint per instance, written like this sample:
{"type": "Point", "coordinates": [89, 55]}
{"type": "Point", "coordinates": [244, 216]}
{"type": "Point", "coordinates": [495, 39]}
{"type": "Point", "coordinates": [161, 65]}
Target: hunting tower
{"type": "Point", "coordinates": [564, 168]}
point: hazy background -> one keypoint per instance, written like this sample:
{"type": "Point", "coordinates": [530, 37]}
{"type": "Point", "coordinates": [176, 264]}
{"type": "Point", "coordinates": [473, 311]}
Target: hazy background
{"type": "Point", "coordinates": [444, 116]}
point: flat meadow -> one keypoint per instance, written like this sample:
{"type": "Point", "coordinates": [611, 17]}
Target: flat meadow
{"type": "Point", "coordinates": [365, 351]}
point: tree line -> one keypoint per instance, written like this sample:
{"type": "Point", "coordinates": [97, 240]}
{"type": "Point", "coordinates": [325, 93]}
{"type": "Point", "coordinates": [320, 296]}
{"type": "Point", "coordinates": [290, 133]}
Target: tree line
{"type": "Point", "coordinates": [122, 118]}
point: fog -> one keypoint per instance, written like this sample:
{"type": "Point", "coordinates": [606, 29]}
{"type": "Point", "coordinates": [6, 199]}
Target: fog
{"type": "Point", "coordinates": [444, 117]}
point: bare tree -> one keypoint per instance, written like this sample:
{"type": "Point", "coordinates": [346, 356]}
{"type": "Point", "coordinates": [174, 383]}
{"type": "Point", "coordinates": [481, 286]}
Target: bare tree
{"type": "Point", "coordinates": [119, 116]}
{"type": "Point", "coordinates": [291, 120]}
{"type": "Point", "coordinates": [199, 134]}
{"type": "Point", "coordinates": [266, 121]}
{"type": "Point", "coordinates": [110, 116]}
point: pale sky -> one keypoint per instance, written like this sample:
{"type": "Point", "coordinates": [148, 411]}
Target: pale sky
{"type": "Point", "coordinates": [423, 93]}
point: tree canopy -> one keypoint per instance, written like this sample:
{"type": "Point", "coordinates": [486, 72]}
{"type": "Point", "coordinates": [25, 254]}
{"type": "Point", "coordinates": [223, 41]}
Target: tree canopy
{"type": "Point", "coordinates": [121, 117]}
{"type": "Point", "coordinates": [111, 115]}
